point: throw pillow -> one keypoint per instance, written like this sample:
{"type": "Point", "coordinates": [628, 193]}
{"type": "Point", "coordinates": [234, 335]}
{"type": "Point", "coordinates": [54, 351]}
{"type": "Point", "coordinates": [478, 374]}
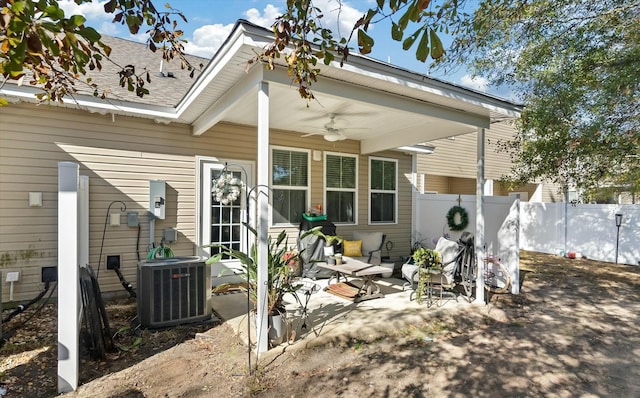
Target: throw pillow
{"type": "Point", "coordinates": [353, 248]}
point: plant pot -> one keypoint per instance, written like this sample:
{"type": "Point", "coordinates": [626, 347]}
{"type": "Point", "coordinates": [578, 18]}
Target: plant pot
{"type": "Point", "coordinates": [328, 251]}
{"type": "Point", "coordinates": [390, 266]}
{"type": "Point", "coordinates": [296, 268]}
{"type": "Point", "coordinates": [277, 329]}
{"type": "Point", "coordinates": [331, 260]}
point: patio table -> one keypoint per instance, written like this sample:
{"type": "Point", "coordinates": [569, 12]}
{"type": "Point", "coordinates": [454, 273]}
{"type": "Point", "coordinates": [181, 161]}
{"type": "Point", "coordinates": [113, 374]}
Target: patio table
{"type": "Point", "coordinates": [356, 268]}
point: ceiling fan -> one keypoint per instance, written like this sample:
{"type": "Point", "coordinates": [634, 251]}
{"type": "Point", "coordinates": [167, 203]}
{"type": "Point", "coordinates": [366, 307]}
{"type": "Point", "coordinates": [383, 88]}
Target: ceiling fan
{"type": "Point", "coordinates": [330, 131]}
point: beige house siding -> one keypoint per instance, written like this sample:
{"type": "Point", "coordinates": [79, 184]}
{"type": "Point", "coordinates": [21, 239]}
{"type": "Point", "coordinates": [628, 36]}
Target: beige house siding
{"type": "Point", "coordinates": [452, 167]}
{"type": "Point", "coordinates": [456, 157]}
{"type": "Point", "coordinates": [120, 155]}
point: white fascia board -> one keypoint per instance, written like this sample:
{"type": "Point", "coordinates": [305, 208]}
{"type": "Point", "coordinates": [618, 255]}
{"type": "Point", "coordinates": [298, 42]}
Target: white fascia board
{"type": "Point", "coordinates": [216, 112]}
{"type": "Point", "coordinates": [96, 105]}
{"type": "Point", "coordinates": [363, 65]}
{"type": "Point", "coordinates": [242, 35]}
{"type": "Point", "coordinates": [214, 68]}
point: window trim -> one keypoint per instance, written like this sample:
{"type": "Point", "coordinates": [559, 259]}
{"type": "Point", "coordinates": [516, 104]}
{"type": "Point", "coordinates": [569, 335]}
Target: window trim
{"type": "Point", "coordinates": [355, 190]}
{"type": "Point", "coordinates": [396, 192]}
{"type": "Point", "coordinates": [273, 187]}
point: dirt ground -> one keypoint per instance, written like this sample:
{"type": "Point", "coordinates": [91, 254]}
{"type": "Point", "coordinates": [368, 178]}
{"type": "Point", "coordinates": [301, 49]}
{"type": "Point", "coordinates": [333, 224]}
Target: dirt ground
{"type": "Point", "coordinates": [572, 332]}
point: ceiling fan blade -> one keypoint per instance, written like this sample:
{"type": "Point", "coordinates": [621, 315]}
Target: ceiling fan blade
{"type": "Point", "coordinates": [310, 134]}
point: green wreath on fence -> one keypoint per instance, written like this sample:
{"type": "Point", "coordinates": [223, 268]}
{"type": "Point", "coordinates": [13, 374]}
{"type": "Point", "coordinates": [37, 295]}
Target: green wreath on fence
{"type": "Point", "coordinates": [451, 218]}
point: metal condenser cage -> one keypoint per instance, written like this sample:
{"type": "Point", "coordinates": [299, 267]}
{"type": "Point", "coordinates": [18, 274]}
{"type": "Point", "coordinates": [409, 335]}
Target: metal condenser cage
{"type": "Point", "coordinates": [173, 291]}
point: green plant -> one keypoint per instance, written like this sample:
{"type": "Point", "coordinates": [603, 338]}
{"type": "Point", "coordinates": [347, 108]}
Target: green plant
{"type": "Point", "coordinates": [329, 240]}
{"type": "Point", "coordinates": [427, 258]}
{"type": "Point", "coordinates": [280, 273]}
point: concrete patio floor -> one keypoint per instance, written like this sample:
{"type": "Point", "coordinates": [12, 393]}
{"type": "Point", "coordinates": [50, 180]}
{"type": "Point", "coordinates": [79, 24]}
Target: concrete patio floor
{"type": "Point", "coordinates": [332, 318]}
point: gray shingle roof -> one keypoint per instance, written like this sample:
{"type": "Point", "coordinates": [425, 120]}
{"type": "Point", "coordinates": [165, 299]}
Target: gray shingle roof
{"type": "Point", "coordinates": [166, 91]}
{"type": "Point", "coordinates": [163, 90]}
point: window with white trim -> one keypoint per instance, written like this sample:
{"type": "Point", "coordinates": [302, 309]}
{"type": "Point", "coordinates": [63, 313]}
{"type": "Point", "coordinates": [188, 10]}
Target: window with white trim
{"type": "Point", "coordinates": [290, 185]}
{"type": "Point", "coordinates": [340, 181]}
{"type": "Point", "coordinates": [383, 190]}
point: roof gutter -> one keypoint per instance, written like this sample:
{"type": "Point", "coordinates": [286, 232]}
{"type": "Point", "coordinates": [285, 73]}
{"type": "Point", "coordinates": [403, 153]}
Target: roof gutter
{"type": "Point", "coordinates": [162, 114]}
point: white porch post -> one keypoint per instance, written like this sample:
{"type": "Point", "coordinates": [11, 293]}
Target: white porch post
{"type": "Point", "coordinates": [480, 216]}
{"type": "Point", "coordinates": [414, 192]}
{"type": "Point", "coordinates": [263, 215]}
{"type": "Point", "coordinates": [68, 283]}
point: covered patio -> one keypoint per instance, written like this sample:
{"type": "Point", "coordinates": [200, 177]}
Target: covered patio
{"type": "Point", "coordinates": [236, 109]}
{"type": "Point", "coordinates": [380, 106]}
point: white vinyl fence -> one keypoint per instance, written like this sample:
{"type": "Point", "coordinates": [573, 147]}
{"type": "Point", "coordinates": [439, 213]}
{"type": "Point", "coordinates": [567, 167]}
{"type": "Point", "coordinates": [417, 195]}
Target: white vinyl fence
{"type": "Point", "coordinates": [501, 225]}
{"type": "Point", "coordinates": [586, 229]}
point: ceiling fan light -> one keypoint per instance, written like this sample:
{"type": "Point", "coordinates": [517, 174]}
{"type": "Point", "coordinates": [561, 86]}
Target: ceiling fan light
{"type": "Point", "coordinates": [331, 137]}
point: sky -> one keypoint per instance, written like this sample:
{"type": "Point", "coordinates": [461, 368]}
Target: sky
{"type": "Point", "coordinates": [211, 21]}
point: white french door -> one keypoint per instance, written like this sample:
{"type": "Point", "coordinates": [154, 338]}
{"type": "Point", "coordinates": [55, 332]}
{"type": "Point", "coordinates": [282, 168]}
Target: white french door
{"type": "Point", "coordinates": [223, 223]}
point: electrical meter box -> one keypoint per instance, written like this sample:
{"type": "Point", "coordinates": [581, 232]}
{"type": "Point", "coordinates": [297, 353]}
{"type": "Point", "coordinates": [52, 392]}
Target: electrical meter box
{"type": "Point", "coordinates": [157, 196]}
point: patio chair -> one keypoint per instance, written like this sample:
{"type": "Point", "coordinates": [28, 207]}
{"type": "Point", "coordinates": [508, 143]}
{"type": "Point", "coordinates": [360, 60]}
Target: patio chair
{"type": "Point", "coordinates": [370, 244]}
{"type": "Point", "coordinates": [450, 251]}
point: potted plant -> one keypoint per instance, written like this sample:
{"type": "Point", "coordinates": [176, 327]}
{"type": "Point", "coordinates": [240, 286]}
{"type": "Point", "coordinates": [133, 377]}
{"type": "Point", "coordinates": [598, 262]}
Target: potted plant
{"type": "Point", "coordinates": [281, 274]}
{"type": "Point", "coordinates": [330, 241]}
{"type": "Point", "coordinates": [429, 262]}
{"type": "Point", "coordinates": [426, 258]}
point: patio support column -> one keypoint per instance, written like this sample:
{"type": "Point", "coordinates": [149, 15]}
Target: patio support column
{"type": "Point", "coordinates": [414, 190]}
{"type": "Point", "coordinates": [262, 196]}
{"type": "Point", "coordinates": [480, 216]}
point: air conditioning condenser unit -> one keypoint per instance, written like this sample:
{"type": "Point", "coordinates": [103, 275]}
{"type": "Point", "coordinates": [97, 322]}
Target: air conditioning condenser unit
{"type": "Point", "coordinates": [173, 291]}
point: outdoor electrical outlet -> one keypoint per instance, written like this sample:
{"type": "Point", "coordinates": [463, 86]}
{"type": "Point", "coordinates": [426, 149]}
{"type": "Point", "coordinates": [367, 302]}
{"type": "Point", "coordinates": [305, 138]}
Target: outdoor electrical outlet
{"type": "Point", "coordinates": [49, 274]}
{"type": "Point", "coordinates": [113, 262]}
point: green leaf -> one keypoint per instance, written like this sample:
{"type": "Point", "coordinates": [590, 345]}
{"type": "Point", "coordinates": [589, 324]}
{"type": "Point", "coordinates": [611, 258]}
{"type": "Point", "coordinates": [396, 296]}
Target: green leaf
{"type": "Point", "coordinates": [90, 34]}
{"type": "Point", "coordinates": [423, 47]}
{"type": "Point", "coordinates": [328, 57]}
{"type": "Point", "coordinates": [437, 50]}
{"type": "Point", "coordinates": [77, 20]}
{"type": "Point", "coordinates": [18, 7]}
{"type": "Point", "coordinates": [404, 19]}
{"type": "Point", "coordinates": [214, 259]}
{"type": "Point", "coordinates": [396, 32]}
{"type": "Point", "coordinates": [133, 23]}
{"type": "Point", "coordinates": [365, 42]}
{"type": "Point", "coordinates": [408, 42]}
